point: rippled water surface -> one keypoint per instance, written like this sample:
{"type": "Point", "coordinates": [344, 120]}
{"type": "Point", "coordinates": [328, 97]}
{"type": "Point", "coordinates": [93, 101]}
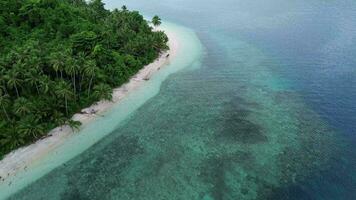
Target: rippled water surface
{"type": "Point", "coordinates": [269, 114]}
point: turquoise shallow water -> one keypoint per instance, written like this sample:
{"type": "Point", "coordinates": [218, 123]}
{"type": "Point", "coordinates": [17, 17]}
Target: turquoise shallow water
{"type": "Point", "coordinates": [266, 112]}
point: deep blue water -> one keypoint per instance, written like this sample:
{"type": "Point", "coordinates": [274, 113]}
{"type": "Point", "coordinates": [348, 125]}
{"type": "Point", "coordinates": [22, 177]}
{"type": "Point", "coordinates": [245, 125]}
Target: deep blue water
{"type": "Point", "coordinates": [312, 41]}
{"type": "Point", "coordinates": [270, 114]}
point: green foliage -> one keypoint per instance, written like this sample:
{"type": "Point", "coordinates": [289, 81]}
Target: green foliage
{"type": "Point", "coordinates": [58, 56]}
{"type": "Point", "coordinates": [103, 91]}
{"type": "Point", "coordinates": [156, 21]}
{"type": "Point", "coordinates": [74, 125]}
{"type": "Point", "coordinates": [83, 41]}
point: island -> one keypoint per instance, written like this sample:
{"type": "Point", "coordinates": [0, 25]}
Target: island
{"type": "Point", "coordinates": [58, 57]}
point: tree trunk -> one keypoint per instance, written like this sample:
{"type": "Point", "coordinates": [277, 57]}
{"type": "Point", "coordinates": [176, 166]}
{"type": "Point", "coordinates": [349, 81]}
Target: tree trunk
{"type": "Point", "coordinates": [38, 91]}
{"type": "Point", "coordinates": [7, 116]}
{"type": "Point", "coordinates": [80, 82]}
{"type": "Point", "coordinates": [65, 99]}
{"type": "Point", "coordinates": [91, 81]}
{"type": "Point", "coordinates": [5, 89]}
{"type": "Point", "coordinates": [74, 88]}
{"type": "Point", "coordinates": [17, 92]}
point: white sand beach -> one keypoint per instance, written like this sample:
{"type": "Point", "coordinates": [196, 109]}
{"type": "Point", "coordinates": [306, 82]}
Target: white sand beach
{"type": "Point", "coordinates": [25, 157]}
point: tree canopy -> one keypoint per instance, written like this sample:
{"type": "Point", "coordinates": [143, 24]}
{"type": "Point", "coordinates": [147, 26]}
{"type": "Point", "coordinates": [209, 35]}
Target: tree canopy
{"type": "Point", "coordinates": [59, 56]}
{"type": "Point", "coordinates": [156, 21]}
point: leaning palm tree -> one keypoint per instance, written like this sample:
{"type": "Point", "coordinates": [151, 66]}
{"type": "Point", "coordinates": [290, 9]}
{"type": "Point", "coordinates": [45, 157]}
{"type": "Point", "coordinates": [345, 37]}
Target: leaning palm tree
{"type": "Point", "coordinates": [63, 90]}
{"type": "Point", "coordinates": [103, 91]}
{"type": "Point", "coordinates": [156, 21]}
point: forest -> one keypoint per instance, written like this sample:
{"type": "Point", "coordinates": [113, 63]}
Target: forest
{"type": "Point", "coordinates": [59, 56]}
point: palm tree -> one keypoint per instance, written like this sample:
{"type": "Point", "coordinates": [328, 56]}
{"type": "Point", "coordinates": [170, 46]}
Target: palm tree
{"type": "Point", "coordinates": [90, 70]}
{"type": "Point", "coordinates": [71, 69]}
{"type": "Point", "coordinates": [63, 90]}
{"type": "Point", "coordinates": [41, 107]}
{"type": "Point", "coordinates": [57, 61]}
{"type": "Point", "coordinates": [58, 118]}
{"type": "Point", "coordinates": [22, 106]}
{"type": "Point", "coordinates": [13, 80]}
{"type": "Point", "coordinates": [4, 102]}
{"type": "Point", "coordinates": [30, 127]}
{"type": "Point", "coordinates": [80, 60]}
{"type": "Point", "coordinates": [103, 91]}
{"type": "Point", "coordinates": [11, 137]}
{"type": "Point", "coordinates": [156, 21]}
{"type": "Point", "coordinates": [3, 79]}
{"type": "Point", "coordinates": [74, 125]}
{"type": "Point", "coordinates": [32, 78]}
{"type": "Point", "coordinates": [124, 8]}
{"type": "Point", "coordinates": [44, 84]}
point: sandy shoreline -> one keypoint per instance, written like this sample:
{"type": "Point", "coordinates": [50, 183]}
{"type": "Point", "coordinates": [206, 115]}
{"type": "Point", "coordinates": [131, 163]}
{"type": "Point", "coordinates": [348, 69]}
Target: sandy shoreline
{"type": "Point", "coordinates": [25, 157]}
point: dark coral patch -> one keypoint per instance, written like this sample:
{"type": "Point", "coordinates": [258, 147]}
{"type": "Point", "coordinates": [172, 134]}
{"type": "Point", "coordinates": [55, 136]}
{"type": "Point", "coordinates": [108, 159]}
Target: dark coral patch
{"type": "Point", "coordinates": [236, 125]}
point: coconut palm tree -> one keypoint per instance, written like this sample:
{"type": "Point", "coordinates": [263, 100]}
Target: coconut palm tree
{"type": "Point", "coordinates": [44, 84]}
{"type": "Point", "coordinates": [74, 125]}
{"type": "Point", "coordinates": [31, 77]}
{"type": "Point", "coordinates": [156, 21]}
{"type": "Point", "coordinates": [58, 118]}
{"type": "Point", "coordinates": [63, 90]}
{"type": "Point", "coordinates": [103, 91]}
{"type": "Point", "coordinates": [22, 106]}
{"type": "Point", "coordinates": [13, 80]}
{"type": "Point", "coordinates": [11, 138]}
{"type": "Point", "coordinates": [90, 70]}
{"type": "Point", "coordinates": [71, 69]}
{"type": "Point", "coordinates": [58, 64]}
{"type": "Point", "coordinates": [40, 107]}
{"type": "Point", "coordinates": [30, 127]}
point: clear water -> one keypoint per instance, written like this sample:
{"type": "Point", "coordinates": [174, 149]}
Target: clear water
{"type": "Point", "coordinates": [269, 114]}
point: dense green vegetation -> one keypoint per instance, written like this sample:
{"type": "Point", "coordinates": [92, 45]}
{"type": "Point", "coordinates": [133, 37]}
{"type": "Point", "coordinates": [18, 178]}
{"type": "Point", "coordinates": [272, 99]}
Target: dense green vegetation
{"type": "Point", "coordinates": [58, 56]}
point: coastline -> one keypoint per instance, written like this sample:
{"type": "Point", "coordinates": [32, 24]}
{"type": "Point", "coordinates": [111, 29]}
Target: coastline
{"type": "Point", "coordinates": [23, 158]}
